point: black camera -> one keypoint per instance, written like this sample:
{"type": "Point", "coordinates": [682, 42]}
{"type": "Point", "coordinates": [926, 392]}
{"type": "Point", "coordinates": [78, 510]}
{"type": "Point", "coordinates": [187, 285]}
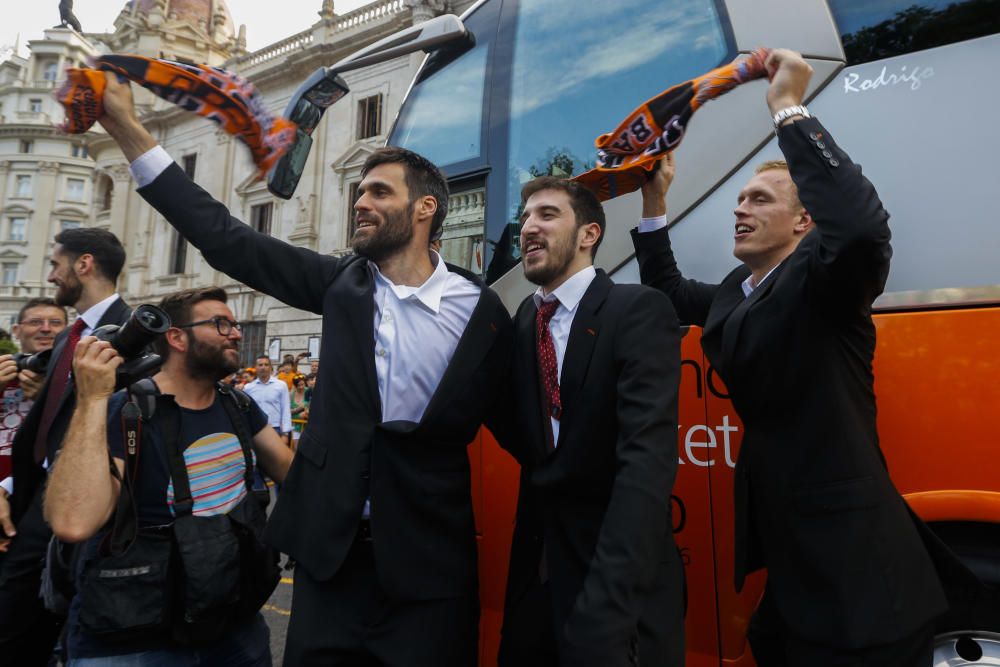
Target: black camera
{"type": "Point", "coordinates": [131, 341]}
{"type": "Point", "coordinates": [36, 363]}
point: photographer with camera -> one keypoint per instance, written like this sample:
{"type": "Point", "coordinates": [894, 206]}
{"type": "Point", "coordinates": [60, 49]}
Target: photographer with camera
{"type": "Point", "coordinates": [172, 519]}
{"type": "Point", "coordinates": [21, 375]}
{"type": "Point", "coordinates": [85, 264]}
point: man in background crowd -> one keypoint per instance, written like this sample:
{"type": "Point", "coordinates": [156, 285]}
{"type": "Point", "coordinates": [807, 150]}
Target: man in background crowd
{"type": "Point", "coordinates": [38, 323]}
{"type": "Point", "coordinates": [85, 263]}
{"type": "Point", "coordinates": [271, 395]}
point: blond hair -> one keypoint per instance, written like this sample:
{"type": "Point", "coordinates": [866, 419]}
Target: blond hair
{"type": "Point", "coordinates": [776, 165]}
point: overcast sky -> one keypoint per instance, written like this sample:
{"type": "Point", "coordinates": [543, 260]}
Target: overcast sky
{"type": "Point", "coordinates": [266, 22]}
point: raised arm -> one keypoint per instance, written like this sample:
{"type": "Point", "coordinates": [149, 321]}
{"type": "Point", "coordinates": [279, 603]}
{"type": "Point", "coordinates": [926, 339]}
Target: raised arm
{"type": "Point", "coordinates": [630, 546]}
{"type": "Point", "coordinates": [293, 275]}
{"type": "Point", "coordinates": [82, 492]}
{"type": "Point", "coordinates": [657, 266]}
{"type": "Point", "coordinates": [851, 258]}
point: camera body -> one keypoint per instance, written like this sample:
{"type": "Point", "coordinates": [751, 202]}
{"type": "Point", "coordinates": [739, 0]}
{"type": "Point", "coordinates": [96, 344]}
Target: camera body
{"type": "Point", "coordinates": [132, 339]}
{"type": "Point", "coordinates": [36, 363]}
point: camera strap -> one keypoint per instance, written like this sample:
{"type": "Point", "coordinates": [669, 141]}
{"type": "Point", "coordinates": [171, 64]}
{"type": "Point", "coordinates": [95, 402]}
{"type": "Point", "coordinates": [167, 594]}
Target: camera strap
{"type": "Point", "coordinates": [137, 409]}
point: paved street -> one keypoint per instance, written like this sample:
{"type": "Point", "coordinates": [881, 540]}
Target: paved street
{"type": "Point", "coordinates": [276, 613]}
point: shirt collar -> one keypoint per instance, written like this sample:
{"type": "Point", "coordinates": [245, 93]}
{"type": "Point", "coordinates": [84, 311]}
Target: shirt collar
{"type": "Point", "coordinates": [571, 292]}
{"type": "Point", "coordinates": [93, 315]}
{"type": "Point", "coordinates": [429, 293]}
{"type": "Point", "coordinates": [748, 285]}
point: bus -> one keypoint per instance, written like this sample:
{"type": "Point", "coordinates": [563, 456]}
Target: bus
{"type": "Point", "coordinates": [906, 86]}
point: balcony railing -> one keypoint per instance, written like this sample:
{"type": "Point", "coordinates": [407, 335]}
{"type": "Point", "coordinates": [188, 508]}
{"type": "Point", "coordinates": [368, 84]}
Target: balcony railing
{"type": "Point", "coordinates": [372, 13]}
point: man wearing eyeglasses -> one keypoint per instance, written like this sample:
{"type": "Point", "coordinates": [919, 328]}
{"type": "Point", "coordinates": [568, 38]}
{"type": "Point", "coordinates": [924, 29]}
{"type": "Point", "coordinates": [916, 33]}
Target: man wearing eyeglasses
{"type": "Point", "coordinates": [271, 395]}
{"type": "Point", "coordinates": [201, 348]}
{"type": "Point", "coordinates": [38, 323]}
{"type": "Point", "coordinates": [84, 263]}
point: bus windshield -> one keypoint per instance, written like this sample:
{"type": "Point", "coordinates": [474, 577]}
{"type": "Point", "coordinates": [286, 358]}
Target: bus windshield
{"type": "Point", "coordinates": [561, 72]}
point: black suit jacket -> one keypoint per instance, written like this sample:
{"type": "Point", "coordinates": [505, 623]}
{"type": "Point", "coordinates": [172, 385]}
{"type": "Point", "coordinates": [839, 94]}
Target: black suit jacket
{"type": "Point", "coordinates": [600, 501]}
{"type": "Point", "coordinates": [417, 475]}
{"type": "Point", "coordinates": [814, 502]}
{"type": "Point", "coordinates": [28, 475]}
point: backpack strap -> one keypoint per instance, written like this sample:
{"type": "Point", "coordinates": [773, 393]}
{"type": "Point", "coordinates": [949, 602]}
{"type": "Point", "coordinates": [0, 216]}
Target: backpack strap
{"type": "Point", "coordinates": [237, 406]}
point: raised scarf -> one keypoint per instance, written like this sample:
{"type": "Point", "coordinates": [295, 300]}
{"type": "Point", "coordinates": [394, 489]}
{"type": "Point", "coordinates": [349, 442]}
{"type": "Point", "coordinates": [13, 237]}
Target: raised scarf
{"type": "Point", "coordinates": [221, 96]}
{"type": "Point", "coordinates": [627, 155]}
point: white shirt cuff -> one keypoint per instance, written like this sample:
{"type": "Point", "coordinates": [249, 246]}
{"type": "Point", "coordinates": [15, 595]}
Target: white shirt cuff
{"type": "Point", "coordinates": [652, 224]}
{"type": "Point", "coordinates": [149, 165]}
{"type": "Point", "coordinates": [8, 485]}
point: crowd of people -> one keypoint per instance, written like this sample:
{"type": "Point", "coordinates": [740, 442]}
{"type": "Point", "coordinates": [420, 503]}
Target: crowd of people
{"type": "Point", "coordinates": [165, 557]}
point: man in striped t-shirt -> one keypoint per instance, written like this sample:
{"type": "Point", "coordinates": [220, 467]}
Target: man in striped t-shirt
{"type": "Point", "coordinates": [199, 349]}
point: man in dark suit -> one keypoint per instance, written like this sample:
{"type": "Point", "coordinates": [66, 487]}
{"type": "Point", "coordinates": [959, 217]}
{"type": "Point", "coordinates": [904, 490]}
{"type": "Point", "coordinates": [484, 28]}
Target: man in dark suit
{"type": "Point", "coordinates": [595, 577]}
{"type": "Point", "coordinates": [850, 581]}
{"type": "Point", "coordinates": [85, 266]}
{"type": "Point", "coordinates": [376, 509]}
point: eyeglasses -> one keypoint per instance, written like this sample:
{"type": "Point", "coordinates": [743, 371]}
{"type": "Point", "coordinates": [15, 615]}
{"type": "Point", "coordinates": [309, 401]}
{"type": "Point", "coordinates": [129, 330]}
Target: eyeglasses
{"type": "Point", "coordinates": [223, 325]}
{"type": "Point", "coordinates": [37, 322]}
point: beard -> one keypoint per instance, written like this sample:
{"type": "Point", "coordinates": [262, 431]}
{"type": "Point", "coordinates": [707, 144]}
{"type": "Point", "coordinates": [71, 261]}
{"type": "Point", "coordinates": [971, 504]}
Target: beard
{"type": "Point", "coordinates": [392, 234]}
{"type": "Point", "coordinates": [209, 361]}
{"type": "Point", "coordinates": [69, 291]}
{"type": "Point", "coordinates": [559, 257]}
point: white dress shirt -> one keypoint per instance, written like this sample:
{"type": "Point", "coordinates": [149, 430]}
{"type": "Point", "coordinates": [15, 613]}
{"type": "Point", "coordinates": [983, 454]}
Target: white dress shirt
{"type": "Point", "coordinates": [569, 295]}
{"type": "Point", "coordinates": [660, 221]}
{"type": "Point", "coordinates": [417, 330]}
{"type": "Point", "coordinates": [272, 397]}
{"type": "Point", "coordinates": [90, 317]}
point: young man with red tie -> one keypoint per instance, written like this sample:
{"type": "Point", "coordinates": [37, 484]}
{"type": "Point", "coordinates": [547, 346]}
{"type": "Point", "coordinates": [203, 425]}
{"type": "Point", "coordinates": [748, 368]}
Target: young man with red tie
{"type": "Point", "coordinates": [595, 577]}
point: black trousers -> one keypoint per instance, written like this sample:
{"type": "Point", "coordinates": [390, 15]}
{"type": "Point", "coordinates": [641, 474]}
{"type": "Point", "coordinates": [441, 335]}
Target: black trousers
{"type": "Point", "coordinates": [350, 622]}
{"type": "Point", "coordinates": [529, 638]}
{"type": "Point", "coordinates": [27, 630]}
{"type": "Point", "coordinates": [773, 645]}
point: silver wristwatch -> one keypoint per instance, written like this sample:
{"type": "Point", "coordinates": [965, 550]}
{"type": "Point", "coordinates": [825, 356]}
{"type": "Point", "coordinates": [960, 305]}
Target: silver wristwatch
{"type": "Point", "coordinates": [788, 112]}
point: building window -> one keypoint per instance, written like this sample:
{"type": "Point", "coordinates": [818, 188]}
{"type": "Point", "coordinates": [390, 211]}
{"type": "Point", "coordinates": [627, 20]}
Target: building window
{"type": "Point", "coordinates": [26, 146]}
{"type": "Point", "coordinates": [189, 162]}
{"type": "Point", "coordinates": [253, 342]}
{"type": "Point", "coordinates": [79, 150]}
{"type": "Point", "coordinates": [35, 105]}
{"type": "Point", "coordinates": [23, 188]}
{"type": "Point", "coordinates": [352, 199]}
{"type": "Point", "coordinates": [370, 117]}
{"type": "Point", "coordinates": [50, 72]}
{"type": "Point", "coordinates": [260, 217]}
{"type": "Point", "coordinates": [18, 229]}
{"type": "Point", "coordinates": [74, 189]}
{"type": "Point", "coordinates": [9, 270]}
{"type": "Point", "coordinates": [178, 253]}
{"type": "Point", "coordinates": [107, 194]}
{"type": "Point", "coordinates": [68, 224]}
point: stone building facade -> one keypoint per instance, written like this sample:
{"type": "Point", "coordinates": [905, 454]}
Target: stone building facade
{"type": "Point", "coordinates": [318, 216]}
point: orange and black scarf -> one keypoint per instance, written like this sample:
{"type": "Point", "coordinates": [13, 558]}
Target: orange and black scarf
{"type": "Point", "coordinates": [626, 156]}
{"type": "Point", "coordinates": [221, 96]}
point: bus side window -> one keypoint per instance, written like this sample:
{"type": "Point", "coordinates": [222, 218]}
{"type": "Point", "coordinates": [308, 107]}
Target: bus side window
{"type": "Point", "coordinates": [873, 31]}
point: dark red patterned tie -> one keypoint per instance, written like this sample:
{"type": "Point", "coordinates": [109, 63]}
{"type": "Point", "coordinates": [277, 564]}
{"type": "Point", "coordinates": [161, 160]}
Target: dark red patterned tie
{"type": "Point", "coordinates": [57, 386]}
{"type": "Point", "coordinates": [548, 365]}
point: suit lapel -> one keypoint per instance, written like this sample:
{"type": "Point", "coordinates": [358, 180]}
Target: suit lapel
{"type": "Point", "coordinates": [527, 389]}
{"type": "Point", "coordinates": [580, 346]}
{"type": "Point", "coordinates": [355, 295]}
{"type": "Point", "coordinates": [729, 296]}
{"type": "Point", "coordinates": [473, 346]}
{"type": "Point", "coordinates": [731, 331]}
